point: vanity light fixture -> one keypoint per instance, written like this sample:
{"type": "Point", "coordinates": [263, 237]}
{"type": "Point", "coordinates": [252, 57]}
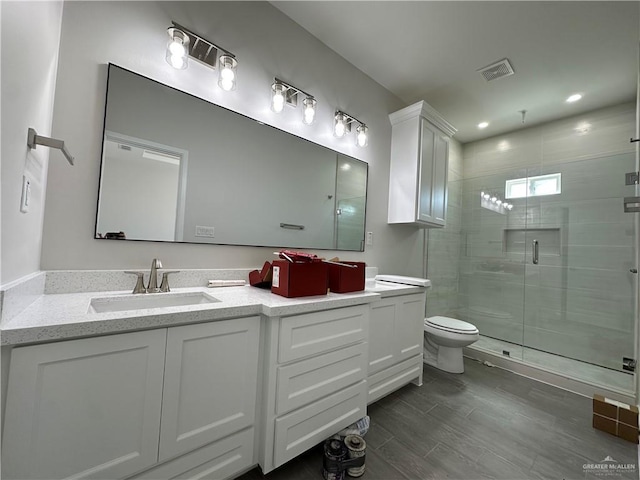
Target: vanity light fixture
{"type": "Point", "coordinates": [283, 93]}
{"type": "Point", "coordinates": [342, 126]}
{"type": "Point", "coordinates": [177, 48]}
{"type": "Point", "coordinates": [184, 43]}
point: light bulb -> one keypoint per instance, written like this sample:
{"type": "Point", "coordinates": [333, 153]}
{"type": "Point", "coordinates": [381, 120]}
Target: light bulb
{"type": "Point", "coordinates": [486, 196]}
{"type": "Point", "coordinates": [177, 48]}
{"type": "Point", "coordinates": [340, 127]}
{"type": "Point", "coordinates": [510, 206]}
{"type": "Point", "coordinates": [177, 62]}
{"type": "Point", "coordinates": [309, 110]}
{"type": "Point", "coordinates": [227, 76]}
{"type": "Point", "coordinates": [499, 202]}
{"type": "Point", "coordinates": [277, 97]}
{"type": "Point", "coordinates": [494, 199]}
{"type": "Point", "coordinates": [362, 139]}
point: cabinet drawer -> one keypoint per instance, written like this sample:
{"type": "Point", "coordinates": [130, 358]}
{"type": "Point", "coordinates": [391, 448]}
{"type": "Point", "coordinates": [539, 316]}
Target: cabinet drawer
{"type": "Point", "coordinates": [305, 381]}
{"type": "Point", "coordinates": [222, 459]}
{"type": "Point", "coordinates": [306, 427]}
{"type": "Point", "coordinates": [313, 333]}
{"type": "Point", "coordinates": [386, 381]}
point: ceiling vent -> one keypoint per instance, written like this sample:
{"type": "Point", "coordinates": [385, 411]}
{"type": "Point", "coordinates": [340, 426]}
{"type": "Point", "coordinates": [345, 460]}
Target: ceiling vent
{"type": "Point", "coordinates": [497, 70]}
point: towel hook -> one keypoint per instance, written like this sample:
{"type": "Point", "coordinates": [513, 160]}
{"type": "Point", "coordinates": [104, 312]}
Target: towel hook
{"type": "Point", "coordinates": [34, 139]}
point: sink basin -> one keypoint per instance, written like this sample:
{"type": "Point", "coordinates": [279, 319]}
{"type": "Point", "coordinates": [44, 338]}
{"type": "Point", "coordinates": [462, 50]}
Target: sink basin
{"type": "Point", "coordinates": [120, 303]}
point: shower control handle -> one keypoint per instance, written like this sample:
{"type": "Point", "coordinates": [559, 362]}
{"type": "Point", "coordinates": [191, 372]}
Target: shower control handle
{"type": "Point", "coordinates": [535, 251]}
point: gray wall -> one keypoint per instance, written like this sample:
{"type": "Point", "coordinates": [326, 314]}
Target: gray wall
{"type": "Point", "coordinates": [30, 39]}
{"type": "Point", "coordinates": [267, 43]}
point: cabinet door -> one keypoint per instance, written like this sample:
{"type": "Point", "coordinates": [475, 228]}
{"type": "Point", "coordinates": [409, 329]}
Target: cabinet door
{"type": "Point", "coordinates": [426, 175]}
{"type": "Point", "coordinates": [439, 186]}
{"type": "Point", "coordinates": [409, 326]}
{"type": "Point", "coordinates": [382, 328]}
{"type": "Point", "coordinates": [434, 157]}
{"type": "Point", "coordinates": [210, 383]}
{"type": "Point", "coordinates": [86, 408]}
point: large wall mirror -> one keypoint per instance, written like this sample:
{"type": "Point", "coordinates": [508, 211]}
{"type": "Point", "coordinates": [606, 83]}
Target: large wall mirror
{"type": "Point", "coordinates": [177, 168]}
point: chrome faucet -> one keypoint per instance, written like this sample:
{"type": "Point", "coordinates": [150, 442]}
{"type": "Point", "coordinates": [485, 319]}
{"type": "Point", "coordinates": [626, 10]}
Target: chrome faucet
{"type": "Point", "coordinates": [152, 287]}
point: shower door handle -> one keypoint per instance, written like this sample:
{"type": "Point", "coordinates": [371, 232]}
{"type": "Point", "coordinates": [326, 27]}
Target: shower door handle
{"type": "Point", "coordinates": [535, 250]}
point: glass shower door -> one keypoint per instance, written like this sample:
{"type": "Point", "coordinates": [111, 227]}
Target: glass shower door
{"type": "Point", "coordinates": [580, 249]}
{"type": "Point", "coordinates": [492, 263]}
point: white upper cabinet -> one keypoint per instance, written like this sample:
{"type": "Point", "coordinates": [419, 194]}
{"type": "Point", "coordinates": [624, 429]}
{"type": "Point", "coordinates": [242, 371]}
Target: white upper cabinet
{"type": "Point", "coordinates": [419, 164]}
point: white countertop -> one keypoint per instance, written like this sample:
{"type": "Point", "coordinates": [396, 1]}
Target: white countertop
{"type": "Point", "coordinates": [66, 315]}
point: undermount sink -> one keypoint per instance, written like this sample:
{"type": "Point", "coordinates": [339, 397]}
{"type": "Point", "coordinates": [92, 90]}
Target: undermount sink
{"type": "Point", "coordinates": [120, 303]}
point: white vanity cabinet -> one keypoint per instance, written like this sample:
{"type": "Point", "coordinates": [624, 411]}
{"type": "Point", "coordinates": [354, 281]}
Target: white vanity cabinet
{"type": "Point", "coordinates": [86, 408]}
{"type": "Point", "coordinates": [419, 164]}
{"type": "Point", "coordinates": [314, 380]}
{"type": "Point", "coordinates": [162, 403]}
{"type": "Point", "coordinates": [395, 344]}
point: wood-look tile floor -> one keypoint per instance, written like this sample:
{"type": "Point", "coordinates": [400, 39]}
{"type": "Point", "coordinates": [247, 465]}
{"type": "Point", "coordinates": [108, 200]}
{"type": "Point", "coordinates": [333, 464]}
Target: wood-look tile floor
{"type": "Point", "coordinates": [486, 423]}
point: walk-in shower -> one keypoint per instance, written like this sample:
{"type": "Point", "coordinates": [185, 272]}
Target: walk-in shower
{"type": "Point", "coordinates": [538, 251]}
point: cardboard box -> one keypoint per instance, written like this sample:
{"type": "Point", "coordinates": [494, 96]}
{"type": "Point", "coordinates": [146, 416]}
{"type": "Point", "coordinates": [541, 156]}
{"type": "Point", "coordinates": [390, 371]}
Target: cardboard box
{"type": "Point", "coordinates": [344, 279]}
{"type": "Point", "coordinates": [616, 418]}
{"type": "Point", "coordinates": [299, 279]}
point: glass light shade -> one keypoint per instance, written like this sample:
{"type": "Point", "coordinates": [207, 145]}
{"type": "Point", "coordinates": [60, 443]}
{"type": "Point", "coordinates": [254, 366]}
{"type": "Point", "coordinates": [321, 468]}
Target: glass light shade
{"type": "Point", "coordinates": [308, 110]}
{"type": "Point", "coordinates": [277, 97]}
{"type": "Point", "coordinates": [362, 136]}
{"type": "Point", "coordinates": [177, 48]}
{"type": "Point", "coordinates": [340, 126]}
{"type": "Point", "coordinates": [227, 76]}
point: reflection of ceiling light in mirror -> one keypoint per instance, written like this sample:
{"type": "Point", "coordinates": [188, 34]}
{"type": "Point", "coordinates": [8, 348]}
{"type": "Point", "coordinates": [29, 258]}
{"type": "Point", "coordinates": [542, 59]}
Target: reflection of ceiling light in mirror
{"type": "Point", "coordinates": [504, 145]}
{"type": "Point", "coordinates": [583, 127]}
{"type": "Point", "coordinates": [482, 125]}
{"type": "Point", "coordinates": [574, 98]}
{"type": "Point", "coordinates": [345, 166]}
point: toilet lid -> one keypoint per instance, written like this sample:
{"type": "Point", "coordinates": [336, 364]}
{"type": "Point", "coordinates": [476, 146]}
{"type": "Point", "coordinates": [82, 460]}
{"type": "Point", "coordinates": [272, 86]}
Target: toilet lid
{"type": "Point", "coordinates": [451, 324]}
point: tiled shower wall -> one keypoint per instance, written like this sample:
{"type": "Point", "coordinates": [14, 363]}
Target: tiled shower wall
{"type": "Point", "coordinates": [443, 251]}
{"type": "Point", "coordinates": [578, 301]}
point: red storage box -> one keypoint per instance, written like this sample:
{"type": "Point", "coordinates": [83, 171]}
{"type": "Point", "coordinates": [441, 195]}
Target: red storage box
{"type": "Point", "coordinates": [300, 279]}
{"type": "Point", "coordinates": [345, 279]}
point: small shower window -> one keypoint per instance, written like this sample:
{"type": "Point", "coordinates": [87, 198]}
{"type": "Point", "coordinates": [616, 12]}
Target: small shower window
{"type": "Point", "coordinates": [541, 185]}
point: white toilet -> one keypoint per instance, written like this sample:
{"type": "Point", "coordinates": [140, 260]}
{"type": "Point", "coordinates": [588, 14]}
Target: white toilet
{"type": "Point", "coordinates": [444, 339]}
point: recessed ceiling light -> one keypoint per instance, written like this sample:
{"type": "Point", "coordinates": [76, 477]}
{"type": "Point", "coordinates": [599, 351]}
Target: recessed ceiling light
{"type": "Point", "coordinates": [482, 125]}
{"type": "Point", "coordinates": [574, 98]}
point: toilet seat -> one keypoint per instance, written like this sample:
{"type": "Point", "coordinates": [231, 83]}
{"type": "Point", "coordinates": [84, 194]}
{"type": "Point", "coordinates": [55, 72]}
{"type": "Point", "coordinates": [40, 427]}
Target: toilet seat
{"type": "Point", "coordinates": [452, 325]}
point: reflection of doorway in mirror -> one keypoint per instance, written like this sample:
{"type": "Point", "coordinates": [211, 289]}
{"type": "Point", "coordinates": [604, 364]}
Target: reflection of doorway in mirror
{"type": "Point", "coordinates": [143, 187]}
{"type": "Point", "coordinates": [351, 201]}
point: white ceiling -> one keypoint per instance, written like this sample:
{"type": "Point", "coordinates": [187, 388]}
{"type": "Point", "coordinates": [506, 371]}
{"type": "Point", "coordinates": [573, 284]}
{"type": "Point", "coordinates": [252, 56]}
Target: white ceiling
{"type": "Point", "coordinates": [431, 50]}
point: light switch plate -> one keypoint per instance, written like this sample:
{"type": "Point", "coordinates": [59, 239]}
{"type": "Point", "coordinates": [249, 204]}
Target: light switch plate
{"type": "Point", "coordinates": [369, 238]}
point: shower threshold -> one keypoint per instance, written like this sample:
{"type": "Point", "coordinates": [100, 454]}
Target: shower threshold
{"type": "Point", "coordinates": [569, 374]}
